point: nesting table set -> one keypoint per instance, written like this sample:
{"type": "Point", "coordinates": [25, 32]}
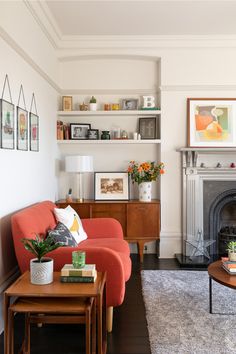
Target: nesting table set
{"type": "Point", "coordinates": [57, 303]}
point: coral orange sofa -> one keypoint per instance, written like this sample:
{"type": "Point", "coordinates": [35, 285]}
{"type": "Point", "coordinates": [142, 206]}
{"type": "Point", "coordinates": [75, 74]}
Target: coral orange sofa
{"type": "Point", "coordinates": [104, 246]}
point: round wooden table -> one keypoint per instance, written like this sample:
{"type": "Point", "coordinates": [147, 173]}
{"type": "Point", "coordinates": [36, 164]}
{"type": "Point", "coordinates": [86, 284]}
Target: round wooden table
{"type": "Point", "coordinates": [218, 274]}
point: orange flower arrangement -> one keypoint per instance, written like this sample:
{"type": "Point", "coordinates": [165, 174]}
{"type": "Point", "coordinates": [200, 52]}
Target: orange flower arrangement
{"type": "Point", "coordinates": [145, 171]}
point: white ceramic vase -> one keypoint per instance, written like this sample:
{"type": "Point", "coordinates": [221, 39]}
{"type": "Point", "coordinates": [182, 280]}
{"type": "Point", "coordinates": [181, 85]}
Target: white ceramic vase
{"type": "Point", "coordinates": [92, 106]}
{"type": "Point", "coordinates": [232, 256]}
{"type": "Point", "coordinates": [41, 272]}
{"type": "Point", "coordinates": [145, 191]}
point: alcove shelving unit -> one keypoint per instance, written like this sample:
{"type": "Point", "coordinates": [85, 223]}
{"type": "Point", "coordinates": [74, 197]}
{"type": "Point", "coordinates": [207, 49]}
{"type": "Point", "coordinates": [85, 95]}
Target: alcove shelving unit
{"type": "Point", "coordinates": [100, 113]}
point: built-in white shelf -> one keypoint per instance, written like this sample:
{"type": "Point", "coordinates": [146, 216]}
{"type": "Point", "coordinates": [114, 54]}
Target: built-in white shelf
{"type": "Point", "coordinates": [110, 113]}
{"type": "Point", "coordinates": [122, 141]}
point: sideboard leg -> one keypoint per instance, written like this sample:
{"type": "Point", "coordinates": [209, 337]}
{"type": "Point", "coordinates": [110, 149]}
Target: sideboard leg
{"type": "Point", "coordinates": [141, 244]}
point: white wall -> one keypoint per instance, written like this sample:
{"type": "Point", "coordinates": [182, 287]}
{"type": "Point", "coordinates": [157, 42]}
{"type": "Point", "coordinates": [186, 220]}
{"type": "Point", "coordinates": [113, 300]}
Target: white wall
{"type": "Point", "coordinates": [25, 177]}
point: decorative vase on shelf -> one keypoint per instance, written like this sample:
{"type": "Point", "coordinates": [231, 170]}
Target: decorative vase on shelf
{"type": "Point", "coordinates": [93, 104]}
{"type": "Point", "coordinates": [145, 191]}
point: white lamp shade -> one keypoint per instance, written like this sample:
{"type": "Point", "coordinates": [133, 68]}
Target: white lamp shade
{"type": "Point", "coordinates": [76, 163]}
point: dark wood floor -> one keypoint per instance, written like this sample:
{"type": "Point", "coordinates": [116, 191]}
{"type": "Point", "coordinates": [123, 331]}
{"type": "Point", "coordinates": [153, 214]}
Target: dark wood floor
{"type": "Point", "coordinates": [129, 336]}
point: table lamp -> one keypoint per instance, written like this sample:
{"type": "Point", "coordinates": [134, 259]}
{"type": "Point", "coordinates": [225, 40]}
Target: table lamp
{"type": "Point", "coordinates": [79, 165]}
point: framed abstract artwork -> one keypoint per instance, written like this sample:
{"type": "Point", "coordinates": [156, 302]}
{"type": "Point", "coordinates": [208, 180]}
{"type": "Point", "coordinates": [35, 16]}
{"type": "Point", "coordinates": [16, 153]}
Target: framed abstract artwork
{"type": "Point", "coordinates": [211, 122]}
{"type": "Point", "coordinates": [111, 186]}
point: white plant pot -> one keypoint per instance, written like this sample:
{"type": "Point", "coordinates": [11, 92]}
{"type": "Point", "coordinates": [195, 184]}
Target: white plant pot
{"type": "Point", "coordinates": [92, 106]}
{"type": "Point", "coordinates": [41, 272]}
{"type": "Point", "coordinates": [145, 191]}
{"type": "Point", "coordinates": [232, 256]}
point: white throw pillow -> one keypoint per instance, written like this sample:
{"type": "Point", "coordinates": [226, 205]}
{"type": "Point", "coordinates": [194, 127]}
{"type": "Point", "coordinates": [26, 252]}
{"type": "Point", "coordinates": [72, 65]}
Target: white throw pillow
{"type": "Point", "coordinates": [71, 219]}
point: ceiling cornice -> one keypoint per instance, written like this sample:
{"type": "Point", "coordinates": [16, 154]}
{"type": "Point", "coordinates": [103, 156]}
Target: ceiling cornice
{"type": "Point", "coordinates": [69, 45]}
{"type": "Point", "coordinates": [44, 19]}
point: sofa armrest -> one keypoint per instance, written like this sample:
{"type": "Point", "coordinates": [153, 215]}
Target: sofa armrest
{"type": "Point", "coordinates": [106, 260]}
{"type": "Point", "coordinates": [102, 228]}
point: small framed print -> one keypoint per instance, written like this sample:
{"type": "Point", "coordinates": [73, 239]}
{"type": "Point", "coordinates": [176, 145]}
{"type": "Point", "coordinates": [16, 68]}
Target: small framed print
{"type": "Point", "coordinates": [79, 131]}
{"type": "Point", "coordinates": [67, 103]}
{"type": "Point", "coordinates": [34, 132]}
{"type": "Point", "coordinates": [7, 125]}
{"type": "Point", "coordinates": [22, 129]}
{"type": "Point", "coordinates": [93, 134]}
{"type": "Point", "coordinates": [111, 186]}
{"type": "Point", "coordinates": [129, 104]}
{"type": "Point", "coordinates": [147, 128]}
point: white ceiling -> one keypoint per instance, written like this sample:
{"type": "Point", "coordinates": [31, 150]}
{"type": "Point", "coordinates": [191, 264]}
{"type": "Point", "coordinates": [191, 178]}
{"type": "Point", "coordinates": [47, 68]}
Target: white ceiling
{"type": "Point", "coordinates": [122, 17]}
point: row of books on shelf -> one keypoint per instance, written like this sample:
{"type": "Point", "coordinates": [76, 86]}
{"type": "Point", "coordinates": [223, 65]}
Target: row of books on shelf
{"type": "Point", "coordinates": [63, 131]}
{"type": "Point", "coordinates": [87, 274]}
{"type": "Point", "coordinates": [228, 266]}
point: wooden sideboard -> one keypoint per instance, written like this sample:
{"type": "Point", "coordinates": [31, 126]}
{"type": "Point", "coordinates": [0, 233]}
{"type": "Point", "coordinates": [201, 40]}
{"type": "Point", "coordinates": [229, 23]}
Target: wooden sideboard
{"type": "Point", "coordinates": [140, 221]}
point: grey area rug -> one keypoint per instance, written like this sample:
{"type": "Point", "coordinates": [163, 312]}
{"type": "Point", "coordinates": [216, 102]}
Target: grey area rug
{"type": "Point", "coordinates": [177, 311]}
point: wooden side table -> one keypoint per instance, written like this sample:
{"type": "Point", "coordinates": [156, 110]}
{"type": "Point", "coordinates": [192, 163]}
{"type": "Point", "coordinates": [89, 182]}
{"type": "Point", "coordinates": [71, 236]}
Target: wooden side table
{"type": "Point", "coordinates": [22, 288]}
{"type": "Point", "coordinates": [51, 310]}
{"type": "Point", "coordinates": [140, 221]}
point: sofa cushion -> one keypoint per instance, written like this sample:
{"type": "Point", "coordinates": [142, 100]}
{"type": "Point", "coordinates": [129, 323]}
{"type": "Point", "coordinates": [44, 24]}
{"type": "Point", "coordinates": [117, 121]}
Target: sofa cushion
{"type": "Point", "coordinates": [71, 220]}
{"type": "Point", "coordinates": [63, 235]}
{"type": "Point", "coordinates": [115, 244]}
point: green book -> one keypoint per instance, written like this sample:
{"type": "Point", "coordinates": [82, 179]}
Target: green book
{"type": "Point", "coordinates": [78, 279]}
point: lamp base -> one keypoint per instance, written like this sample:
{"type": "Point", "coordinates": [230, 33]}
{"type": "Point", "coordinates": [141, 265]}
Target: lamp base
{"type": "Point", "coordinates": [80, 200]}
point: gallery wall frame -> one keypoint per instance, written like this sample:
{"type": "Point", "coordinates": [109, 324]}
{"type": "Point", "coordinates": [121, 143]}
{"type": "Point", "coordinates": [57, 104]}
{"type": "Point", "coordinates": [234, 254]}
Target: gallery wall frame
{"type": "Point", "coordinates": [34, 132]}
{"type": "Point", "coordinates": [21, 123]}
{"type": "Point", "coordinates": [7, 120]}
{"type": "Point", "coordinates": [22, 128]}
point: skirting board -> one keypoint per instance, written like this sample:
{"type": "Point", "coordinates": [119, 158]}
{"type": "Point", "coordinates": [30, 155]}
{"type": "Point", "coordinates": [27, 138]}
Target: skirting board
{"type": "Point", "coordinates": [170, 244]}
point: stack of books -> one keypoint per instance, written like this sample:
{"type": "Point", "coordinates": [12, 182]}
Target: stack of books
{"type": "Point", "coordinates": [229, 266]}
{"type": "Point", "coordinates": [87, 274]}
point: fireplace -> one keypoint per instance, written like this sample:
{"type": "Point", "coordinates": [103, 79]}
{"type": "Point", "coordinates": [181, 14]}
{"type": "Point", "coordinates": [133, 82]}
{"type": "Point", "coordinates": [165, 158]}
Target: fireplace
{"type": "Point", "coordinates": [208, 199]}
{"type": "Point", "coordinates": [219, 214]}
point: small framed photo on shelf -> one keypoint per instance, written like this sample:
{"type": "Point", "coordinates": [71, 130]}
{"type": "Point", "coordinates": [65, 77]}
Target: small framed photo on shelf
{"type": "Point", "coordinates": [22, 129]}
{"type": "Point", "coordinates": [111, 186]}
{"type": "Point", "coordinates": [211, 122]}
{"type": "Point", "coordinates": [147, 128]}
{"type": "Point", "coordinates": [79, 131]}
{"type": "Point", "coordinates": [93, 134]}
{"type": "Point", "coordinates": [67, 103]}
{"type": "Point", "coordinates": [129, 104]}
{"type": "Point", "coordinates": [34, 132]}
{"type": "Point", "coordinates": [7, 124]}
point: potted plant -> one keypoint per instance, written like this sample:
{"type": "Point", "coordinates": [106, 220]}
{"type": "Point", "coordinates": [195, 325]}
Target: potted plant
{"type": "Point", "coordinates": [41, 268]}
{"type": "Point", "coordinates": [144, 173]}
{"type": "Point", "coordinates": [93, 104]}
{"type": "Point", "coordinates": [231, 248]}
